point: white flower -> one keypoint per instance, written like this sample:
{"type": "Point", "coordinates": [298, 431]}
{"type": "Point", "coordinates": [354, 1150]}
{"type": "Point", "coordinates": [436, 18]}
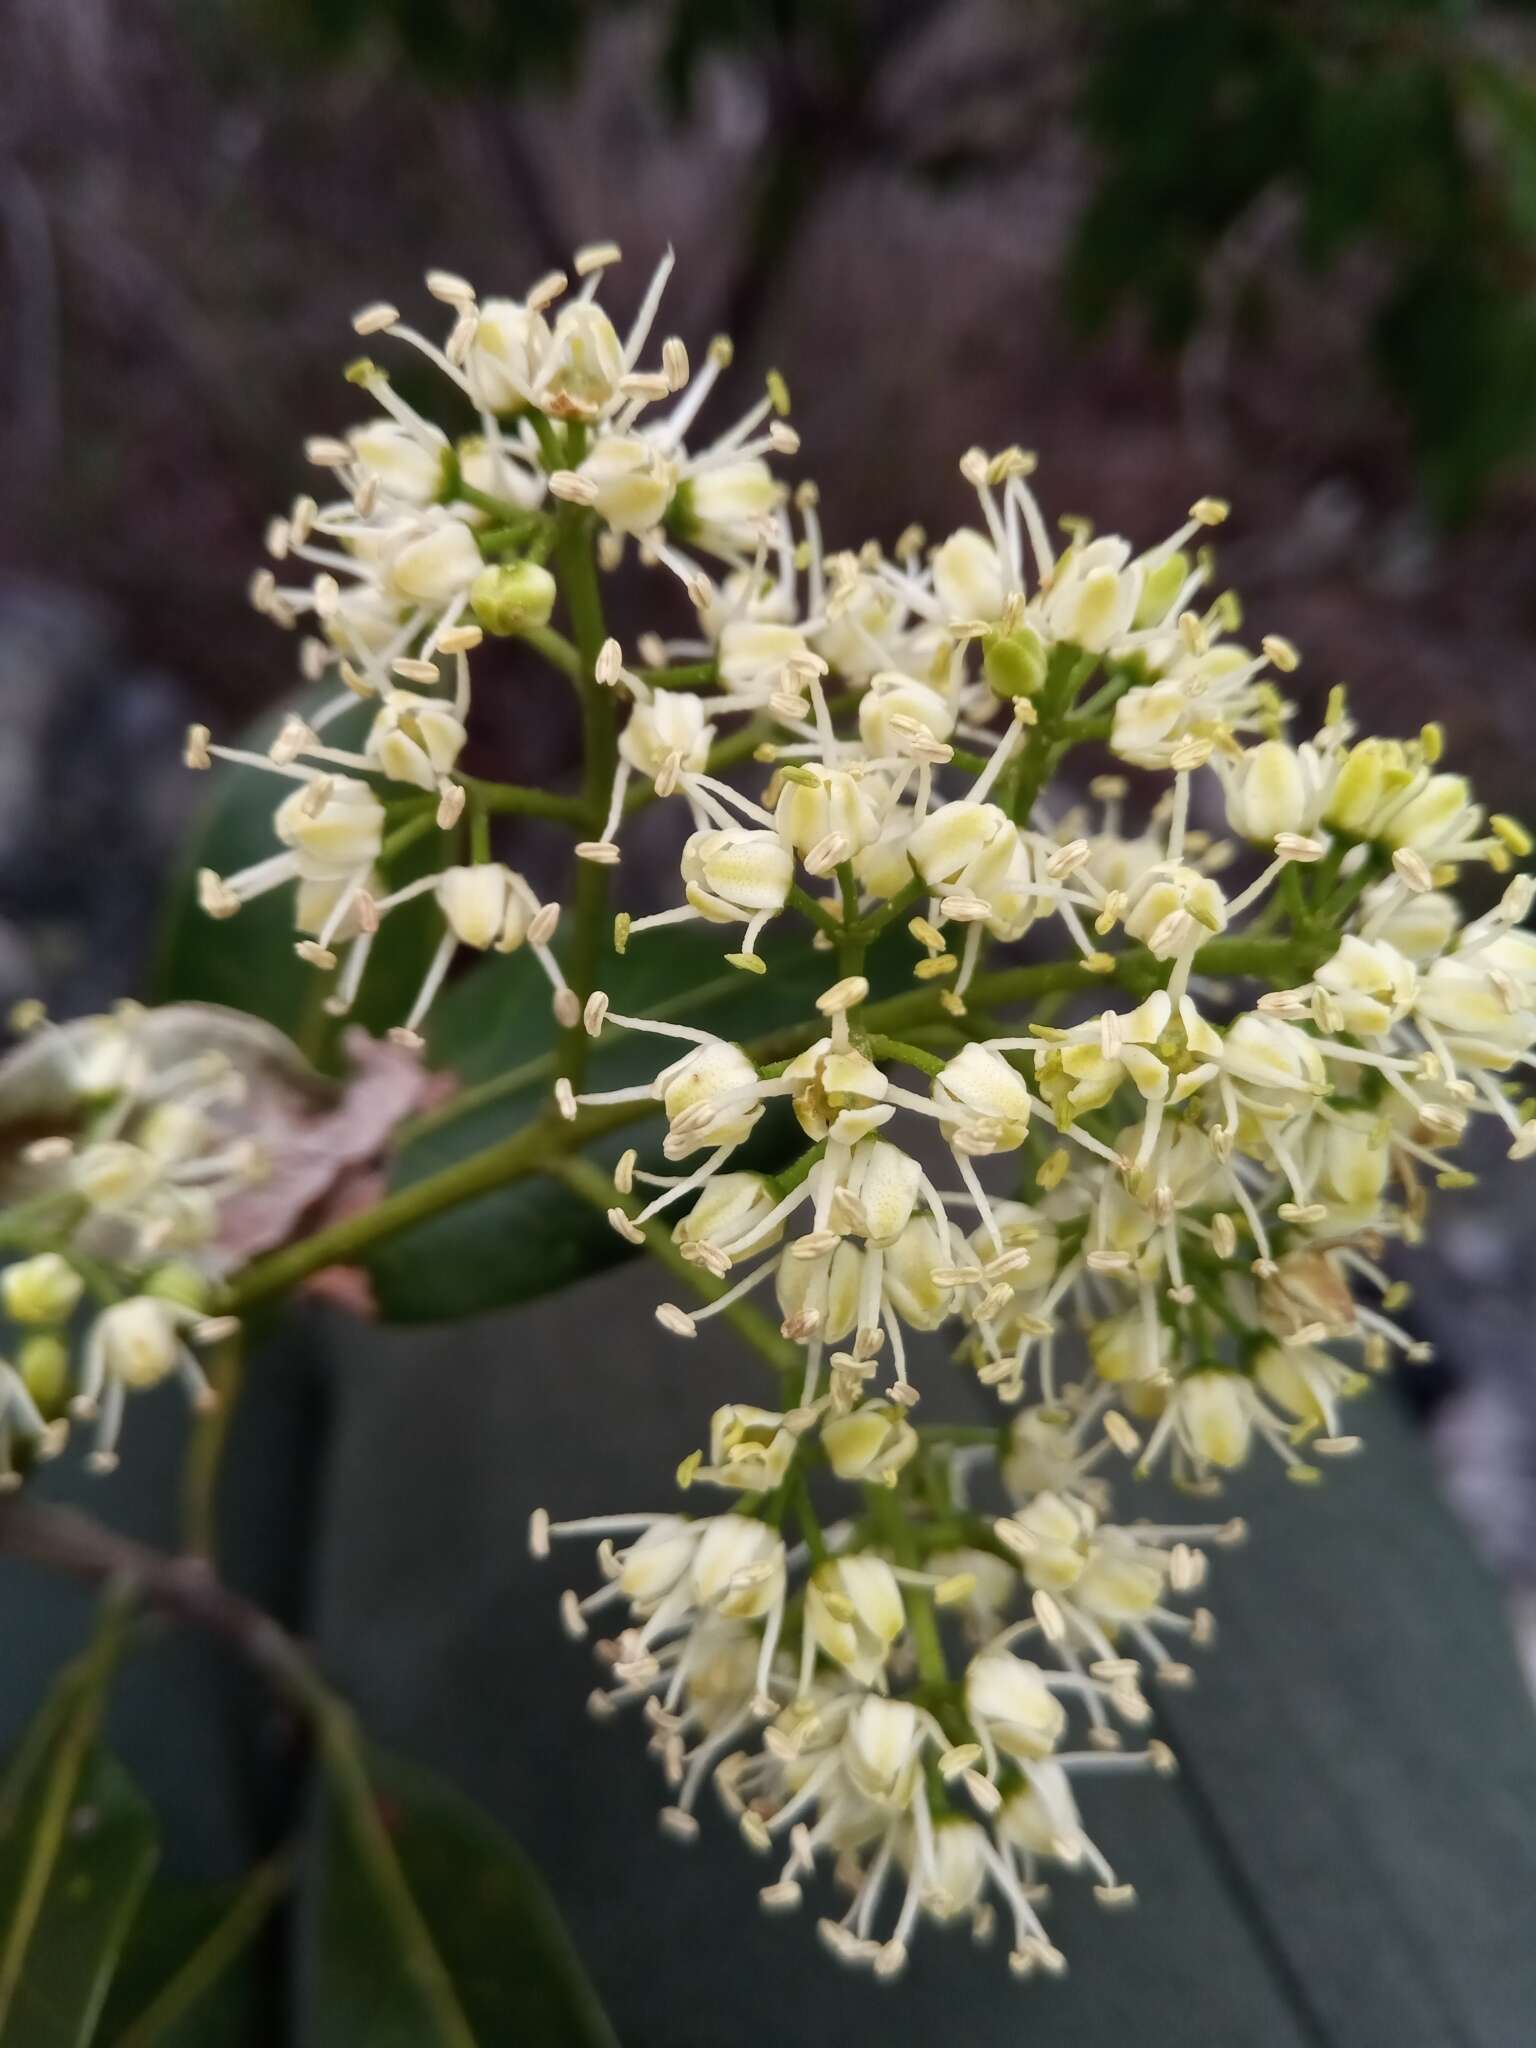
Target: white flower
{"type": "Point", "coordinates": [1371, 985]}
{"type": "Point", "coordinates": [983, 1099]}
{"type": "Point", "coordinates": [955, 836]}
{"type": "Point", "coordinates": [968, 576]}
{"type": "Point", "coordinates": [1435, 821]}
{"type": "Point", "coordinates": [1277, 1059]}
{"type": "Point", "coordinates": [1130, 1347]}
{"type": "Point", "coordinates": [632, 480]}
{"type": "Point", "coordinates": [752, 655]}
{"type": "Point", "coordinates": [817, 804]}
{"type": "Point", "coordinates": [871, 1445]}
{"type": "Point", "coordinates": [1464, 1001]}
{"type": "Point", "coordinates": [1010, 1704]}
{"type": "Point", "coordinates": [748, 1448]}
{"type": "Point", "coordinates": [1093, 598]}
{"type": "Point", "coordinates": [673, 723]}
{"type": "Point", "coordinates": [1274, 788]}
{"type": "Point", "coordinates": [894, 702]}
{"type": "Point", "coordinates": [1174, 909]}
{"type": "Point", "coordinates": [437, 565]}
{"type": "Point", "coordinates": [736, 872]}
{"type": "Point", "coordinates": [416, 739]}
{"type": "Point", "coordinates": [334, 827]}
{"type": "Point", "coordinates": [657, 1560]}
{"type": "Point", "coordinates": [714, 1089]}
{"type": "Point", "coordinates": [737, 1569]}
{"type": "Point", "coordinates": [509, 342]}
{"type": "Point", "coordinates": [726, 502]}
{"type": "Point", "coordinates": [728, 1211]}
{"type": "Point", "coordinates": [409, 464]}
{"type": "Point", "coordinates": [580, 370]}
{"type": "Point", "coordinates": [880, 1750]}
{"type": "Point", "coordinates": [485, 906]}
{"type": "Point", "coordinates": [908, 1269]}
{"type": "Point", "coordinates": [885, 1182]}
{"type": "Point", "coordinates": [838, 1092]}
{"type": "Point", "coordinates": [1058, 1529]}
{"type": "Point", "coordinates": [1214, 1418]}
{"type": "Point", "coordinates": [853, 1608]}
{"type": "Point", "coordinates": [1307, 1383]}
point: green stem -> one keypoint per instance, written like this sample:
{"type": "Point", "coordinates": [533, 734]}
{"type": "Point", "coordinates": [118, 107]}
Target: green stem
{"type": "Point", "coordinates": [554, 647]}
{"type": "Point", "coordinates": [885, 1508]}
{"type": "Point", "coordinates": [536, 1147]}
{"type": "Point", "coordinates": [816, 913]}
{"type": "Point", "coordinates": [406, 835]}
{"type": "Point", "coordinates": [542, 1144]}
{"type": "Point", "coordinates": [882, 1048]}
{"type": "Point", "coordinates": [510, 799]}
{"type": "Point", "coordinates": [689, 675]}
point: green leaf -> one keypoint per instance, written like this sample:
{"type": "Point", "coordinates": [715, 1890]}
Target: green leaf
{"type": "Point", "coordinates": [192, 1973]}
{"type": "Point", "coordinates": [78, 1844]}
{"type": "Point", "coordinates": [493, 1029]}
{"type": "Point", "coordinates": [248, 961]}
{"type": "Point", "coordinates": [485, 1945]}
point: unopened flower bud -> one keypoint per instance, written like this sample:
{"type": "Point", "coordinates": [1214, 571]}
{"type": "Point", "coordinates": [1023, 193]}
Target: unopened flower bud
{"type": "Point", "coordinates": [43, 1362]}
{"type": "Point", "coordinates": [42, 1289]}
{"type": "Point", "coordinates": [508, 596]}
{"type": "Point", "coordinates": [1015, 663]}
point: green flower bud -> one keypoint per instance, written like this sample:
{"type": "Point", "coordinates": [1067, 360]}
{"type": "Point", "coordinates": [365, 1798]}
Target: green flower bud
{"type": "Point", "coordinates": [43, 1289]}
{"type": "Point", "coordinates": [1161, 586]}
{"type": "Point", "coordinates": [43, 1362]}
{"type": "Point", "coordinates": [179, 1282]}
{"type": "Point", "coordinates": [1015, 662]}
{"type": "Point", "coordinates": [508, 596]}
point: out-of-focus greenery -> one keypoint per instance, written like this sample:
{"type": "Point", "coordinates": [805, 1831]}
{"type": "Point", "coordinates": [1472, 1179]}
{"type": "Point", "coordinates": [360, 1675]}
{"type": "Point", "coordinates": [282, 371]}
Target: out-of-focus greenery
{"type": "Point", "coordinates": [1401, 129]}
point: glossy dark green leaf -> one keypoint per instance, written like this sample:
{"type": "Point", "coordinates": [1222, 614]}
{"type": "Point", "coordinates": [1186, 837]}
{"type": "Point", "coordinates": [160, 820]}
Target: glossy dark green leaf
{"type": "Point", "coordinates": [248, 961]}
{"type": "Point", "coordinates": [485, 1931]}
{"type": "Point", "coordinates": [493, 1029]}
{"type": "Point", "coordinates": [64, 1940]}
{"type": "Point", "coordinates": [192, 1973]}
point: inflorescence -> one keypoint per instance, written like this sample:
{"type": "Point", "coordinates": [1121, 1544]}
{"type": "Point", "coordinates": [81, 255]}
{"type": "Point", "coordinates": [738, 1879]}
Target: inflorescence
{"type": "Point", "coordinates": [1145, 1179]}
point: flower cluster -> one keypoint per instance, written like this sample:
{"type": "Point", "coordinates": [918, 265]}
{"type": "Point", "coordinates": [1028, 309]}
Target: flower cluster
{"type": "Point", "coordinates": [126, 1139]}
{"type": "Point", "coordinates": [1128, 1083]}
